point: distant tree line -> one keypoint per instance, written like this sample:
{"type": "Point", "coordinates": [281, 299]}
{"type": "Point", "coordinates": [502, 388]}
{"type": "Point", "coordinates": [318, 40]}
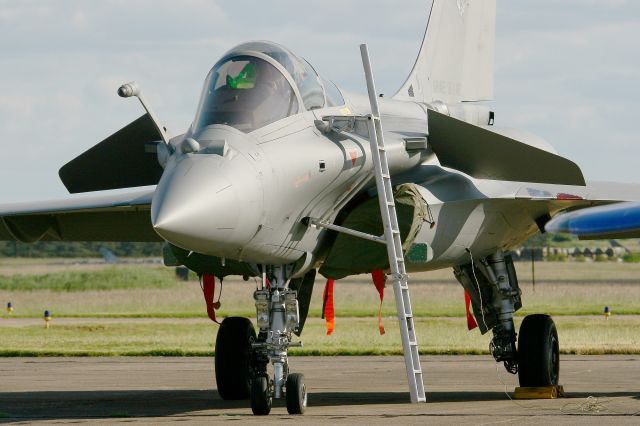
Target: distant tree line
{"type": "Point", "coordinates": [543, 240]}
{"type": "Point", "coordinates": [92, 249]}
{"type": "Point", "coordinates": [78, 249]}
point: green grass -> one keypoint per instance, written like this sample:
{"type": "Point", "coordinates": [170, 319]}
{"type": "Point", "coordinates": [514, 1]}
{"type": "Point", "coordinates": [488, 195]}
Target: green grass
{"type": "Point", "coordinates": [112, 278]}
{"type": "Point", "coordinates": [352, 299]}
{"type": "Point", "coordinates": [152, 292]}
{"type": "Point", "coordinates": [631, 257]}
{"type": "Point", "coordinates": [143, 310]}
{"type": "Point", "coordinates": [352, 336]}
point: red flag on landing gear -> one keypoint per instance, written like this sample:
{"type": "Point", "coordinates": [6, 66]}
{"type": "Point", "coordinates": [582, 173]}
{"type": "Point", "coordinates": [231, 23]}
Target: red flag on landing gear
{"type": "Point", "coordinates": [327, 306]}
{"type": "Point", "coordinates": [471, 321]}
{"type": "Point", "coordinates": [208, 289]}
{"type": "Point", "coordinates": [378, 280]}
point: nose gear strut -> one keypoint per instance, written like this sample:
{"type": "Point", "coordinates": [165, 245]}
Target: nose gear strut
{"type": "Point", "coordinates": [278, 317]}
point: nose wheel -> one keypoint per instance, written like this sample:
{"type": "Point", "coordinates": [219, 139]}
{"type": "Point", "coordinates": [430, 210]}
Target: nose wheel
{"type": "Point", "coordinates": [261, 395]}
{"type": "Point", "coordinates": [262, 392]}
{"type": "Point", "coordinates": [296, 394]}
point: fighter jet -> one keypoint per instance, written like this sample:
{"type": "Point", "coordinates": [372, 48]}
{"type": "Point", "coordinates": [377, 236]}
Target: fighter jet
{"type": "Point", "coordinates": [282, 176]}
{"type": "Point", "coordinates": [620, 220]}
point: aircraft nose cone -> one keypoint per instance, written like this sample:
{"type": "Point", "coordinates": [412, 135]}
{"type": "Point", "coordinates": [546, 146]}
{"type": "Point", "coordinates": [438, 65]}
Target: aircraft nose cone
{"type": "Point", "coordinates": [208, 204]}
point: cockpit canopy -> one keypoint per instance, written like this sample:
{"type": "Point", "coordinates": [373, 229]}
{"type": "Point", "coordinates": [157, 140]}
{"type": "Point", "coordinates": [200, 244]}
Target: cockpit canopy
{"type": "Point", "coordinates": [258, 83]}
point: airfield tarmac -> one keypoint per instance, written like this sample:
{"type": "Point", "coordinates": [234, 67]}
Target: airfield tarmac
{"type": "Point", "coordinates": [342, 390]}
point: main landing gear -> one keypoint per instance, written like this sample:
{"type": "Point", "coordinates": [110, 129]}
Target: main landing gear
{"type": "Point", "coordinates": [493, 288]}
{"type": "Point", "coordinates": [242, 358]}
{"type": "Point", "coordinates": [235, 363]}
{"type": "Point", "coordinates": [538, 352]}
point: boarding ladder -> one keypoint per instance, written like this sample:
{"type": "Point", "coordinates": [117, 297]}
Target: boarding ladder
{"type": "Point", "coordinates": [393, 241]}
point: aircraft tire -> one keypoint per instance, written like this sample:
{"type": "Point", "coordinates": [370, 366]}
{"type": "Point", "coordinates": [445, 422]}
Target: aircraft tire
{"type": "Point", "coordinates": [296, 394]}
{"type": "Point", "coordinates": [234, 372]}
{"type": "Point", "coordinates": [538, 352]}
{"type": "Point", "coordinates": [261, 398]}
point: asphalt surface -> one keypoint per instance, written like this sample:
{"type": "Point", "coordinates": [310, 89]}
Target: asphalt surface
{"type": "Point", "coordinates": [342, 390]}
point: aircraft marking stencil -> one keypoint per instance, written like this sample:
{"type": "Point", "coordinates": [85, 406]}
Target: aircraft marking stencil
{"type": "Point", "coordinates": [237, 195]}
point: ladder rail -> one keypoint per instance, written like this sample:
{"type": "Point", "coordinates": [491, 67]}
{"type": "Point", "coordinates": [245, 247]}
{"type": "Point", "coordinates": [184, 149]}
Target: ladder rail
{"type": "Point", "coordinates": [393, 239]}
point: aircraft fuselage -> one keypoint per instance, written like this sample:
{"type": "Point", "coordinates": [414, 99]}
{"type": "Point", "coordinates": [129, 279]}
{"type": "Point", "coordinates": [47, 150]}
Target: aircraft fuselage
{"type": "Point", "coordinates": [244, 196]}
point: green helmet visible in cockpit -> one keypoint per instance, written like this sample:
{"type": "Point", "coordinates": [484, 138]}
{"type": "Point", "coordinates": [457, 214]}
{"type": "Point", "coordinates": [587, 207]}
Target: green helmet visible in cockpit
{"type": "Point", "coordinates": [259, 83]}
{"type": "Point", "coordinates": [246, 78]}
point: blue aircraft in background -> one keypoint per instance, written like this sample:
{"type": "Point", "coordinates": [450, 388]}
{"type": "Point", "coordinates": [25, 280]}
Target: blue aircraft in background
{"type": "Point", "coordinates": [619, 220]}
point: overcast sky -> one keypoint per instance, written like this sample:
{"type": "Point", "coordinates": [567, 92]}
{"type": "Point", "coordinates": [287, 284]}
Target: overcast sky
{"type": "Point", "coordinates": [567, 70]}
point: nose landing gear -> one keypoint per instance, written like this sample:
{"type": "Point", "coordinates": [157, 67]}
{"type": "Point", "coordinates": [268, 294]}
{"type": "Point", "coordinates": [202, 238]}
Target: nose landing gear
{"type": "Point", "coordinates": [278, 318]}
{"type": "Point", "coordinates": [242, 358]}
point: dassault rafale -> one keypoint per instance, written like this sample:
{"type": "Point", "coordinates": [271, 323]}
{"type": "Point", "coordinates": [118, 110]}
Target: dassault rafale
{"type": "Point", "coordinates": [282, 176]}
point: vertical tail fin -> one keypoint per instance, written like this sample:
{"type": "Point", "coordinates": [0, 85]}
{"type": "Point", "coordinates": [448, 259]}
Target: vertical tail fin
{"type": "Point", "coordinates": [456, 58]}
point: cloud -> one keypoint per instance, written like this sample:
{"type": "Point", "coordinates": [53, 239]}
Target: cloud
{"type": "Point", "coordinates": [565, 70]}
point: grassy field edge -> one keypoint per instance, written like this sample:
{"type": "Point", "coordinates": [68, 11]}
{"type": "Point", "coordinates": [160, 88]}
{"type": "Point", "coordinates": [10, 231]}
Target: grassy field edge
{"type": "Point", "coordinates": [312, 352]}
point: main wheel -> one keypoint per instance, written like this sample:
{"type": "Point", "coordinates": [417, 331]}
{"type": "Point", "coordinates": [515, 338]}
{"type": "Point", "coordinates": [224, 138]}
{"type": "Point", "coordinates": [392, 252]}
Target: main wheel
{"type": "Point", "coordinates": [261, 398]}
{"type": "Point", "coordinates": [296, 394]}
{"type": "Point", "coordinates": [234, 372]}
{"type": "Point", "coordinates": [538, 352]}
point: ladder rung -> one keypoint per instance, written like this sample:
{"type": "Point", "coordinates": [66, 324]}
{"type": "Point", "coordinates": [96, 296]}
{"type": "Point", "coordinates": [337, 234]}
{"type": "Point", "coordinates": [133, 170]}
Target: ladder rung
{"type": "Point", "coordinates": [394, 244]}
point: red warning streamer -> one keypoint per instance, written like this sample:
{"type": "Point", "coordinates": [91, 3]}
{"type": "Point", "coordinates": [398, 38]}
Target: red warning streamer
{"type": "Point", "coordinates": [208, 289]}
{"type": "Point", "coordinates": [378, 280]}
{"type": "Point", "coordinates": [327, 306]}
{"type": "Point", "coordinates": [471, 321]}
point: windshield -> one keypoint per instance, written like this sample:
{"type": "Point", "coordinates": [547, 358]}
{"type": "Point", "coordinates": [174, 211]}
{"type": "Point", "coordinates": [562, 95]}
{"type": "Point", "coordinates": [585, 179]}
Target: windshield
{"type": "Point", "coordinates": [245, 92]}
{"type": "Point", "coordinates": [302, 73]}
{"type": "Point", "coordinates": [334, 97]}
